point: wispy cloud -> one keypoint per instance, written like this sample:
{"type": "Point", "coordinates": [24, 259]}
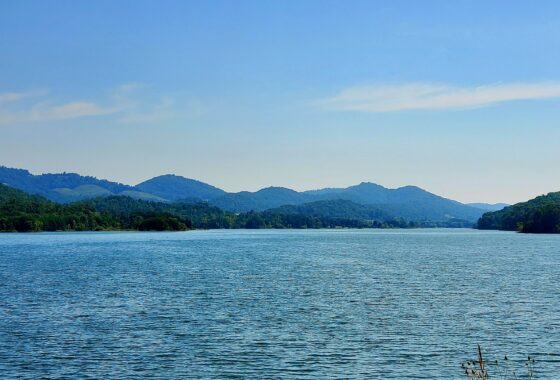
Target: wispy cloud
{"type": "Point", "coordinates": [35, 106]}
{"type": "Point", "coordinates": [430, 96]}
{"type": "Point", "coordinates": [72, 110]}
{"type": "Point", "coordinates": [15, 96]}
{"type": "Point", "coordinates": [129, 103]}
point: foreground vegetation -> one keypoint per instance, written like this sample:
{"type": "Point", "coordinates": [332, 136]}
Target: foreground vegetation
{"type": "Point", "coordinates": [482, 369]}
{"type": "Point", "coordinates": [539, 215]}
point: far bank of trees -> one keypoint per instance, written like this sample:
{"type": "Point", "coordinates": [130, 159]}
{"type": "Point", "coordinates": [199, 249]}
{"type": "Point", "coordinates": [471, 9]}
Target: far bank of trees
{"type": "Point", "coordinates": [23, 212]}
{"type": "Point", "coordinates": [539, 215]}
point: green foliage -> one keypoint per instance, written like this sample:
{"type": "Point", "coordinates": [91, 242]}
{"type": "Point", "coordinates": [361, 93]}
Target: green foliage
{"type": "Point", "coordinates": [141, 195]}
{"type": "Point", "coordinates": [23, 212]}
{"type": "Point", "coordinates": [539, 215]}
{"type": "Point", "coordinates": [162, 223]}
{"type": "Point", "coordinates": [200, 215]}
{"type": "Point", "coordinates": [409, 202]}
{"type": "Point", "coordinates": [30, 213]}
{"type": "Point", "coordinates": [61, 187]}
{"type": "Point", "coordinates": [337, 208]}
{"type": "Point", "coordinates": [346, 213]}
{"type": "Point", "coordinates": [82, 192]}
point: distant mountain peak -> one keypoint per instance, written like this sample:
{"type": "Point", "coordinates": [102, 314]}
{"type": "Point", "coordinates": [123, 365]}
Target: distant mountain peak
{"type": "Point", "coordinates": [367, 184]}
{"type": "Point", "coordinates": [174, 187]}
{"type": "Point", "coordinates": [411, 187]}
{"type": "Point", "coordinates": [276, 189]}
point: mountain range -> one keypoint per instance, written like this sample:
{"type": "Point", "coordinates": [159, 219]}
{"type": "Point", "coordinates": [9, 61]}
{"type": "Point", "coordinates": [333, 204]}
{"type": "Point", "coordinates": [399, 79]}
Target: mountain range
{"type": "Point", "coordinates": [408, 202]}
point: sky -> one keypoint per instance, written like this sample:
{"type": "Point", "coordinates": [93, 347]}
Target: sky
{"type": "Point", "coordinates": [461, 98]}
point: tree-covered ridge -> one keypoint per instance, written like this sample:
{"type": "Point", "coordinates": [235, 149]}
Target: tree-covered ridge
{"type": "Point", "coordinates": [25, 213]}
{"type": "Point", "coordinates": [408, 202]}
{"type": "Point", "coordinates": [173, 188]}
{"type": "Point", "coordinates": [337, 208]}
{"type": "Point", "coordinates": [378, 216]}
{"type": "Point", "coordinates": [200, 215]}
{"type": "Point", "coordinates": [260, 200]}
{"type": "Point", "coordinates": [59, 187]}
{"type": "Point", "coordinates": [205, 216]}
{"type": "Point", "coordinates": [539, 215]}
{"type": "Point", "coordinates": [105, 211]}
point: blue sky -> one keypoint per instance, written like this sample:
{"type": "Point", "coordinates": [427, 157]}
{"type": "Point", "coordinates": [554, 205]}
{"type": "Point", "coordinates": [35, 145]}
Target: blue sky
{"type": "Point", "coordinates": [461, 98]}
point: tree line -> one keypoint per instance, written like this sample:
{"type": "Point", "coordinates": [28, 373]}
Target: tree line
{"type": "Point", "coordinates": [539, 215]}
{"type": "Point", "coordinates": [23, 212]}
{"type": "Point", "coordinates": [31, 213]}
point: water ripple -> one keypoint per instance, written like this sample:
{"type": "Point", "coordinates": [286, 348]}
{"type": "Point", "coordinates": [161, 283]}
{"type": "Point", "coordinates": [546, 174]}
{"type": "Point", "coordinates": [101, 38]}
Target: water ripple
{"type": "Point", "coordinates": [275, 304]}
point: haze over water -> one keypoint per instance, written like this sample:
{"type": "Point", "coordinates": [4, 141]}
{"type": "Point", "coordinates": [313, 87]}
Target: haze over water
{"type": "Point", "coordinates": [389, 304]}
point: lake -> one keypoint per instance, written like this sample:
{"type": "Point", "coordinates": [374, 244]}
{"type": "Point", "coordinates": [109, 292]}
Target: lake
{"type": "Point", "coordinates": [282, 304]}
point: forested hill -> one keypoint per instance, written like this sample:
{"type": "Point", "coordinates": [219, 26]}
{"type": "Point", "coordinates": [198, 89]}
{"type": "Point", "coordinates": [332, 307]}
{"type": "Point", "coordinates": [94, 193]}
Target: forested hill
{"type": "Point", "coordinates": [60, 187]}
{"type": "Point", "coordinates": [376, 215]}
{"type": "Point", "coordinates": [335, 209]}
{"type": "Point", "coordinates": [172, 187]}
{"type": "Point", "coordinates": [408, 202]}
{"type": "Point", "coordinates": [22, 212]}
{"type": "Point", "coordinates": [539, 215]}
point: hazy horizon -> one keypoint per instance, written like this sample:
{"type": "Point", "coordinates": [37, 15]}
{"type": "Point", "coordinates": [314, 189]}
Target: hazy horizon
{"type": "Point", "coordinates": [461, 99]}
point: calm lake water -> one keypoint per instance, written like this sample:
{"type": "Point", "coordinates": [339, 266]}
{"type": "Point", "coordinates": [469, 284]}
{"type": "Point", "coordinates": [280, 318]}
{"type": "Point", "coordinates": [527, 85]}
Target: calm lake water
{"type": "Point", "coordinates": [390, 304]}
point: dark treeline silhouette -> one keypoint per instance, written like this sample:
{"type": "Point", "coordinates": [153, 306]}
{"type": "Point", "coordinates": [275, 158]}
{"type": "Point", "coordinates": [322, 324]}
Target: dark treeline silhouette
{"type": "Point", "coordinates": [539, 215]}
{"type": "Point", "coordinates": [26, 213]}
